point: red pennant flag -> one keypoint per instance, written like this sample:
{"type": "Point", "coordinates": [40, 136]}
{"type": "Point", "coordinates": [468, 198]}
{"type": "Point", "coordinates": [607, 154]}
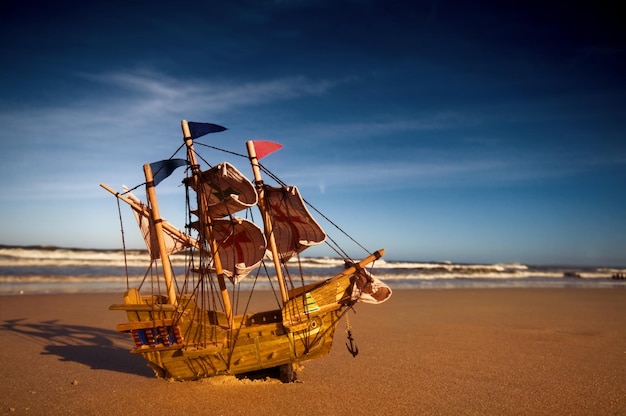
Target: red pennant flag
{"type": "Point", "coordinates": [264, 148]}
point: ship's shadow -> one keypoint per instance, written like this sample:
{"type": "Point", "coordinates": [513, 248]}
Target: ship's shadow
{"type": "Point", "coordinates": [98, 348]}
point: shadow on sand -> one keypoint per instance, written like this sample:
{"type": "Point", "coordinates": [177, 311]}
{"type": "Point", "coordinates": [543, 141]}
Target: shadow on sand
{"type": "Point", "coordinates": [98, 348]}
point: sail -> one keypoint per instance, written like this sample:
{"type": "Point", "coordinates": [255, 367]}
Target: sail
{"type": "Point", "coordinates": [293, 226]}
{"type": "Point", "coordinates": [368, 289]}
{"type": "Point", "coordinates": [225, 190]}
{"type": "Point", "coordinates": [241, 246]}
{"type": "Point", "coordinates": [175, 240]}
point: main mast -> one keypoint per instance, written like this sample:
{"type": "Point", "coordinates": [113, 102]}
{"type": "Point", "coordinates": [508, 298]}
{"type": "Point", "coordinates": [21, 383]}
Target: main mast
{"type": "Point", "coordinates": [206, 226]}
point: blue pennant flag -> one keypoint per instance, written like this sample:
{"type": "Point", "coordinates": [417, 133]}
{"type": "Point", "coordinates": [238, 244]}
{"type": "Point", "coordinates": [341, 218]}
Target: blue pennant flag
{"type": "Point", "coordinates": [164, 168]}
{"type": "Point", "coordinates": [200, 129]}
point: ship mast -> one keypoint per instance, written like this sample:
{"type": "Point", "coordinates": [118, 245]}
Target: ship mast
{"type": "Point", "coordinates": [267, 221]}
{"type": "Point", "coordinates": [158, 229]}
{"type": "Point", "coordinates": [206, 225]}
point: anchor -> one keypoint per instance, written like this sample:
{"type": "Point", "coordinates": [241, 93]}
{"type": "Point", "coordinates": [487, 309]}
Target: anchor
{"type": "Point", "coordinates": [351, 345]}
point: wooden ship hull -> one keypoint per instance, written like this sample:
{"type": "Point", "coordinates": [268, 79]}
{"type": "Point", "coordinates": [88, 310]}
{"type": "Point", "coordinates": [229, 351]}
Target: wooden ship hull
{"type": "Point", "coordinates": [182, 345]}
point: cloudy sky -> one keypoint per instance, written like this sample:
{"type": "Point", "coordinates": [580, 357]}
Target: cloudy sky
{"type": "Point", "coordinates": [440, 130]}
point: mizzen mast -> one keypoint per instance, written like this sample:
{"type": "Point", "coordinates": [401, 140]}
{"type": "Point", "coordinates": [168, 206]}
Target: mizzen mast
{"type": "Point", "coordinates": [267, 221]}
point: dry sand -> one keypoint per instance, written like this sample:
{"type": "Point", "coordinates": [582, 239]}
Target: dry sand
{"type": "Point", "coordinates": [431, 352]}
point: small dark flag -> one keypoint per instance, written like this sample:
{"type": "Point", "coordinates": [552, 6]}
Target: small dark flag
{"type": "Point", "coordinates": [164, 168]}
{"type": "Point", "coordinates": [264, 148]}
{"type": "Point", "coordinates": [200, 129]}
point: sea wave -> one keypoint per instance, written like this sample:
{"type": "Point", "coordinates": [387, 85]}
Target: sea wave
{"type": "Point", "coordinates": [28, 269]}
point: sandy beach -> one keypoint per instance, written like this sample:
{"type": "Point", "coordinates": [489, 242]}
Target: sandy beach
{"type": "Point", "coordinates": [431, 352]}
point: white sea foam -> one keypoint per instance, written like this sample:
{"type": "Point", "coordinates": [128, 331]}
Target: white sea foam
{"type": "Point", "coordinates": [50, 269]}
{"type": "Point", "coordinates": [61, 257]}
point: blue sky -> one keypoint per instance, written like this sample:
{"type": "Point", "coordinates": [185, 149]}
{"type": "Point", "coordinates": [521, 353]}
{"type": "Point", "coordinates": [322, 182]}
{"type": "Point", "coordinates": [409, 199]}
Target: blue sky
{"type": "Point", "coordinates": [440, 130]}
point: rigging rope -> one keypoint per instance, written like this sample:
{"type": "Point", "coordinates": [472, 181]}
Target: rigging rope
{"type": "Point", "coordinates": [119, 212]}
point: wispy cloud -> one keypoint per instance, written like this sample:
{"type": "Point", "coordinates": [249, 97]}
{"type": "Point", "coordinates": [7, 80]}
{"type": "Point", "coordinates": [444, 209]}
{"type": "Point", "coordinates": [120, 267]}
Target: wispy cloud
{"type": "Point", "coordinates": [95, 132]}
{"type": "Point", "coordinates": [159, 95]}
{"type": "Point", "coordinates": [394, 175]}
{"type": "Point", "coordinates": [388, 125]}
{"type": "Point", "coordinates": [108, 133]}
{"type": "Point", "coordinates": [456, 170]}
{"type": "Point", "coordinates": [139, 104]}
{"type": "Point", "coordinates": [131, 101]}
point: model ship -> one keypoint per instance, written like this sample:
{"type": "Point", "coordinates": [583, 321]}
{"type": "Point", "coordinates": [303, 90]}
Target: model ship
{"type": "Point", "coordinates": [187, 326]}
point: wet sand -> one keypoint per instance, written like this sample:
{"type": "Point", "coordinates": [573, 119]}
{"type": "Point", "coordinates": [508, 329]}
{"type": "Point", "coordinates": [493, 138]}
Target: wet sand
{"type": "Point", "coordinates": [430, 352]}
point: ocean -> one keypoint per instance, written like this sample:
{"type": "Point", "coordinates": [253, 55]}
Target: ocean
{"type": "Point", "coordinates": [49, 270]}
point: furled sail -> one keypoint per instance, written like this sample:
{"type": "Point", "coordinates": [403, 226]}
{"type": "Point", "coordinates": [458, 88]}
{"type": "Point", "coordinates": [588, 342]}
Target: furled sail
{"type": "Point", "coordinates": [293, 226]}
{"type": "Point", "coordinates": [368, 289]}
{"type": "Point", "coordinates": [175, 240]}
{"type": "Point", "coordinates": [226, 190]}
